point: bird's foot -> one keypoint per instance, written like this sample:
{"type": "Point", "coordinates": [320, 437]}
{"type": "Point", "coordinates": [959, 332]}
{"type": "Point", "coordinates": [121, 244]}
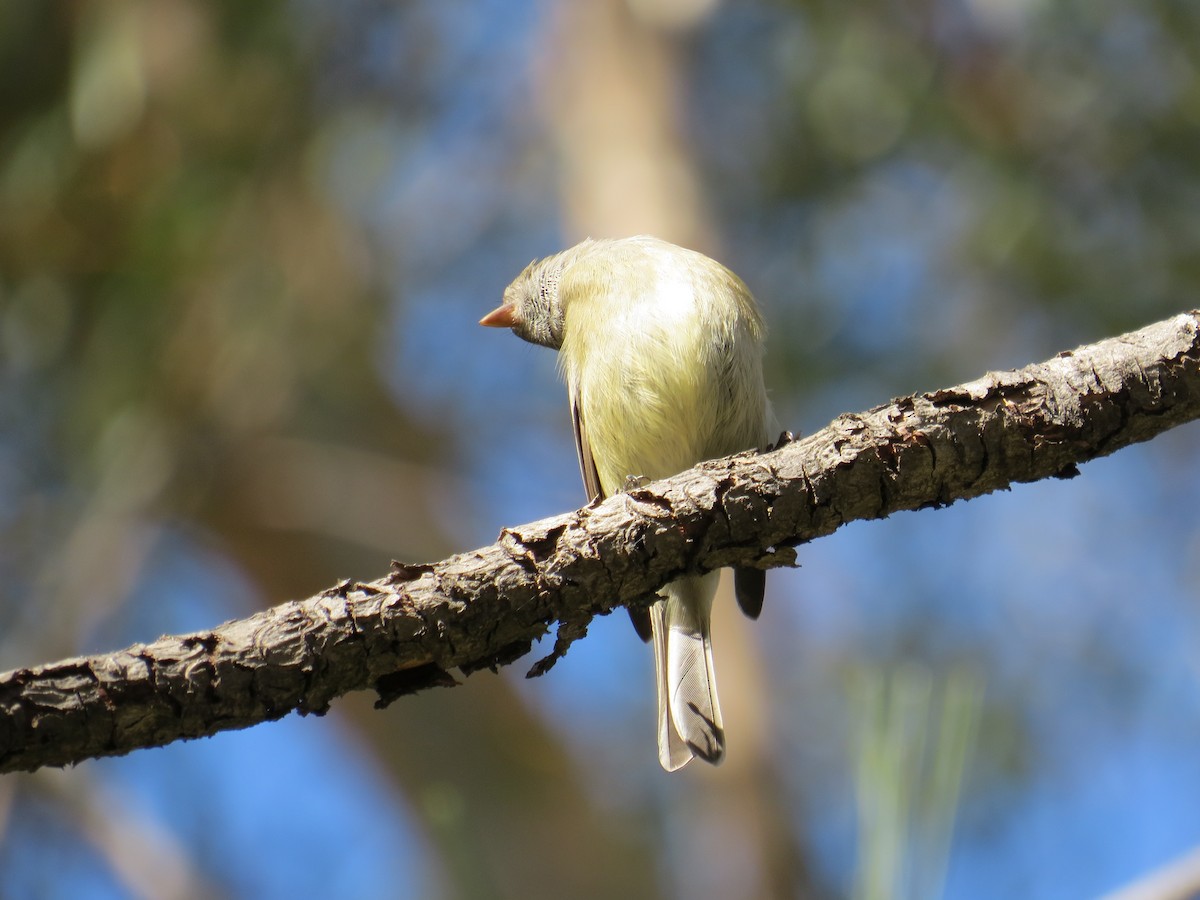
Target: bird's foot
{"type": "Point", "coordinates": [784, 439]}
{"type": "Point", "coordinates": [633, 482]}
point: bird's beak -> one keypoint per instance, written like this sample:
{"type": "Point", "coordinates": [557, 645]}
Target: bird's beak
{"type": "Point", "coordinates": [500, 317]}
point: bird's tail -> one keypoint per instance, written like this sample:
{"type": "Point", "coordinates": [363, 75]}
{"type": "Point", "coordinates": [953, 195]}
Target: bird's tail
{"type": "Point", "coordinates": [689, 717]}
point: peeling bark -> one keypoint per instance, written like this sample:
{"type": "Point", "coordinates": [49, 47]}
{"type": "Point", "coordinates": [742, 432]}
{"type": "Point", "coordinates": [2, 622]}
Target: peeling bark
{"type": "Point", "coordinates": [424, 626]}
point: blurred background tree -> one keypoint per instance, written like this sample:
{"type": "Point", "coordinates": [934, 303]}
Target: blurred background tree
{"type": "Point", "coordinates": [242, 250]}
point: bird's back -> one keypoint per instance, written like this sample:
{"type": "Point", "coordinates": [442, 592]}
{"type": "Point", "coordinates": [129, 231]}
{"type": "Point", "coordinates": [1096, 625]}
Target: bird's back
{"type": "Point", "coordinates": [665, 374]}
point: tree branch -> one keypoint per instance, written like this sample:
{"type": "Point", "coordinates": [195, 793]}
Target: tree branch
{"type": "Point", "coordinates": [423, 626]}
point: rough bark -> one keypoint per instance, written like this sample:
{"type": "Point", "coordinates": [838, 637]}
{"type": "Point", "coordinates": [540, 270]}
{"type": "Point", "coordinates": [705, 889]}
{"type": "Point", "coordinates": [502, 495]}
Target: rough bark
{"type": "Point", "coordinates": [424, 626]}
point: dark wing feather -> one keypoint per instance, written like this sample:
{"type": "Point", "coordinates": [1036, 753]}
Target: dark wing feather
{"type": "Point", "coordinates": [591, 481]}
{"type": "Point", "coordinates": [749, 586]}
{"type": "Point", "coordinates": [583, 449]}
{"type": "Point", "coordinates": [640, 618]}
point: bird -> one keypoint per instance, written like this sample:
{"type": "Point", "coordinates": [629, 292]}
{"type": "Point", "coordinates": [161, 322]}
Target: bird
{"type": "Point", "coordinates": [661, 348]}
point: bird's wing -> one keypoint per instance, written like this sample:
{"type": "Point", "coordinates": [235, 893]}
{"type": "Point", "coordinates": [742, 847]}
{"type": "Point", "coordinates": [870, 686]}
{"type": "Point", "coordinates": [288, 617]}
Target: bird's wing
{"type": "Point", "coordinates": [749, 586]}
{"type": "Point", "coordinates": [640, 617]}
{"type": "Point", "coordinates": [583, 449]}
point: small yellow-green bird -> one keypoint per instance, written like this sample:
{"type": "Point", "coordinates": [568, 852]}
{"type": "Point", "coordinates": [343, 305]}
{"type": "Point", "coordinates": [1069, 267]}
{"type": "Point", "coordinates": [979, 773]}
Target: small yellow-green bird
{"type": "Point", "coordinates": [662, 351]}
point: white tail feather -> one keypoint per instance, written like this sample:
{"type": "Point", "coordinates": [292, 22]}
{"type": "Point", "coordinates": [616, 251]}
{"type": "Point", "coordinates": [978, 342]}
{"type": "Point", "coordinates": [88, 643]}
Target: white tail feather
{"type": "Point", "coordinates": [689, 716]}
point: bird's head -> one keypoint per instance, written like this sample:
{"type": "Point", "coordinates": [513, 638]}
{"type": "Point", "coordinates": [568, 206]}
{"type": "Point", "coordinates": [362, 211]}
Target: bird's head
{"type": "Point", "coordinates": [532, 307]}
